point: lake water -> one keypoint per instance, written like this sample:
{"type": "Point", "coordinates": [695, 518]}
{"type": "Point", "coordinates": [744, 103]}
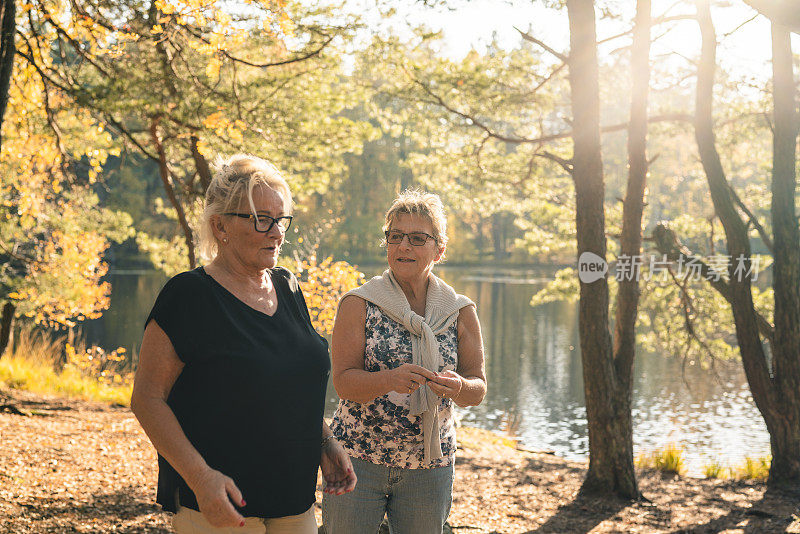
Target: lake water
{"type": "Point", "coordinates": [535, 385]}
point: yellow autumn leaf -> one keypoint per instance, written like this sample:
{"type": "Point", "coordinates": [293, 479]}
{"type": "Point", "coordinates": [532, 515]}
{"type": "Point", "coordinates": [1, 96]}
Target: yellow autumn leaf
{"type": "Point", "coordinates": [165, 7]}
{"type": "Point", "coordinates": [204, 148]}
{"type": "Point", "coordinates": [214, 120]}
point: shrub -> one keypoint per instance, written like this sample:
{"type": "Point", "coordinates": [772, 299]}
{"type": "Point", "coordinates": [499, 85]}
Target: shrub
{"type": "Point", "coordinates": [754, 468]}
{"type": "Point", "coordinates": [716, 470]}
{"type": "Point", "coordinates": [34, 365]}
{"type": "Point", "coordinates": [669, 460]}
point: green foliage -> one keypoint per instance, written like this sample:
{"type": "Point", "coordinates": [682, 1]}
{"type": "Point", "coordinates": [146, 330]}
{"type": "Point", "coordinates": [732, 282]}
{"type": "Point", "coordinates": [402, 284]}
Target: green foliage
{"type": "Point", "coordinates": [55, 274]}
{"type": "Point", "coordinates": [53, 227]}
{"type": "Point", "coordinates": [346, 221]}
{"type": "Point", "coordinates": [691, 321]}
{"type": "Point", "coordinates": [349, 141]}
{"type": "Point", "coordinates": [188, 80]}
{"type": "Point", "coordinates": [565, 287]}
{"type": "Point", "coordinates": [433, 105]}
{"type": "Point", "coordinates": [167, 255]}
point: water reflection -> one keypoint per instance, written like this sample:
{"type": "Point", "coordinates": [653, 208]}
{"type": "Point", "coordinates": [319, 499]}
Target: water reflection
{"type": "Point", "coordinates": [535, 374]}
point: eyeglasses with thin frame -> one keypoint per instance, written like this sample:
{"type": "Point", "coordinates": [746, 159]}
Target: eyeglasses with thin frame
{"type": "Point", "coordinates": [264, 223]}
{"type": "Point", "coordinates": [417, 239]}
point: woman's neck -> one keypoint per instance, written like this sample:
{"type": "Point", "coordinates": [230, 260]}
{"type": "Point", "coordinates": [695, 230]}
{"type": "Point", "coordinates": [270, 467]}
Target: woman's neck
{"type": "Point", "coordinates": [416, 292]}
{"type": "Point", "coordinates": [239, 274]}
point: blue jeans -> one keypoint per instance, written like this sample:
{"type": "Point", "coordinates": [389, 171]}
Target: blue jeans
{"type": "Point", "coordinates": [415, 501]}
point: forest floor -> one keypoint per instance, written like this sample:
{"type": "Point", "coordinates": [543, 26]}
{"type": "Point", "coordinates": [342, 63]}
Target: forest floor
{"type": "Point", "coordinates": [74, 466]}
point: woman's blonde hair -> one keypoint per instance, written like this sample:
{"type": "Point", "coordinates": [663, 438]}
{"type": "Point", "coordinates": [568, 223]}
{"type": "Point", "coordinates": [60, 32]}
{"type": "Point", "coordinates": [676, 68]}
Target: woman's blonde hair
{"type": "Point", "coordinates": [428, 205]}
{"type": "Point", "coordinates": [235, 178]}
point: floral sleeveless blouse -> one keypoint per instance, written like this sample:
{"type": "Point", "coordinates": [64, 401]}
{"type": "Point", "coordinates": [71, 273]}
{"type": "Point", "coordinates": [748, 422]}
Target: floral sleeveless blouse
{"type": "Point", "coordinates": [382, 431]}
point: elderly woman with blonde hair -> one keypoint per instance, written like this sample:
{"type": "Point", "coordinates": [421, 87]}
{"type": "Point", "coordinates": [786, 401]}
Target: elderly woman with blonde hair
{"type": "Point", "coordinates": [231, 380]}
{"type": "Point", "coordinates": [405, 348]}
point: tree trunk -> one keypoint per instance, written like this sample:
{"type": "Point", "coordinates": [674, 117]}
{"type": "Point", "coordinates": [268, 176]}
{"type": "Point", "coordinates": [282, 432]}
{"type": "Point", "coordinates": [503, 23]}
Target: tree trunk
{"type": "Point", "coordinates": [201, 164]}
{"type": "Point", "coordinates": [499, 236]}
{"type": "Point", "coordinates": [631, 241]}
{"type": "Point", "coordinates": [166, 179]}
{"type": "Point", "coordinates": [738, 243]}
{"type": "Point", "coordinates": [607, 401]}
{"type": "Point", "coordinates": [8, 13]}
{"type": "Point", "coordinates": [785, 438]}
{"type": "Point", "coordinates": [776, 390]}
{"type": "Point", "coordinates": [6, 322]}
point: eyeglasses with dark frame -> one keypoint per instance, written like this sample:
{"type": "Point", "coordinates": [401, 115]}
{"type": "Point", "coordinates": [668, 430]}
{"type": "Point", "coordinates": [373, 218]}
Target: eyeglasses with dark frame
{"type": "Point", "coordinates": [417, 239]}
{"type": "Point", "coordinates": [264, 223]}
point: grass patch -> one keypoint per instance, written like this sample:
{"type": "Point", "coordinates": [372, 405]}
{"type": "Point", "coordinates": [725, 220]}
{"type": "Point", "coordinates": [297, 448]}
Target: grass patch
{"type": "Point", "coordinates": [21, 373]}
{"type": "Point", "coordinates": [754, 468]}
{"type": "Point", "coordinates": [475, 438]}
{"type": "Point", "coordinates": [716, 470]}
{"type": "Point", "coordinates": [668, 460]}
{"type": "Point", "coordinates": [35, 361]}
{"type": "Point", "coordinates": [750, 469]}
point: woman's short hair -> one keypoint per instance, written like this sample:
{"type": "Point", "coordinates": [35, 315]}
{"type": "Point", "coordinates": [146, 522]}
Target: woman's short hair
{"type": "Point", "coordinates": [428, 205]}
{"type": "Point", "coordinates": [235, 178]}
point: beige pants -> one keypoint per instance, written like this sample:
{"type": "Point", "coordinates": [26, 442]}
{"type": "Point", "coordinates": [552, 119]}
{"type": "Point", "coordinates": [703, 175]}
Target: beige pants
{"type": "Point", "coordinates": [188, 521]}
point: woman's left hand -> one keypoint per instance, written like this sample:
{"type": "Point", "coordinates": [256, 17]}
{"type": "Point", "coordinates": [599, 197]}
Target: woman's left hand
{"type": "Point", "coordinates": [337, 470]}
{"type": "Point", "coordinates": [447, 384]}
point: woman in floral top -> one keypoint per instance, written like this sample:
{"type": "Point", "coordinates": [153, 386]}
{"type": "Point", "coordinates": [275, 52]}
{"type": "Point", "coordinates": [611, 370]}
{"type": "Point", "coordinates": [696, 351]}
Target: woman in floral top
{"type": "Point", "coordinates": [405, 347]}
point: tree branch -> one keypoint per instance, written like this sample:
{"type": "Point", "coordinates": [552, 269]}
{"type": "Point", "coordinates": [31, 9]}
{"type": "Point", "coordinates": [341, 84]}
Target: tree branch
{"type": "Point", "coordinates": [687, 308]}
{"type": "Point", "coordinates": [784, 12]}
{"type": "Point", "coordinates": [753, 220]}
{"type": "Point", "coordinates": [304, 57]}
{"type": "Point", "coordinates": [528, 37]}
{"type": "Point", "coordinates": [75, 44]}
{"type": "Point", "coordinates": [668, 244]}
{"type": "Point", "coordinates": [166, 179]}
{"type": "Point", "coordinates": [565, 164]}
{"type": "Point", "coordinates": [201, 164]}
{"type": "Point", "coordinates": [549, 77]}
{"type": "Point", "coordinates": [73, 94]}
{"type": "Point", "coordinates": [518, 140]}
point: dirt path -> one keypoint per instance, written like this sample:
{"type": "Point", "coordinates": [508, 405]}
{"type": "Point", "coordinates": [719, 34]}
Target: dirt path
{"type": "Point", "coordinates": [73, 466]}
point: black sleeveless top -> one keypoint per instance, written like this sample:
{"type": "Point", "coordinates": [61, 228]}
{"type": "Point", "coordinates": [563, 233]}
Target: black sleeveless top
{"type": "Point", "coordinates": [250, 396]}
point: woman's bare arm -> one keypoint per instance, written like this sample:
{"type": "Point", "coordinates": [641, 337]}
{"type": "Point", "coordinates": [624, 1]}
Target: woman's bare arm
{"type": "Point", "coordinates": [159, 368]}
{"type": "Point", "coordinates": [467, 385]}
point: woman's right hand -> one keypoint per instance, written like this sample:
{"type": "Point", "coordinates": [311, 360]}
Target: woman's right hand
{"type": "Point", "coordinates": [407, 378]}
{"type": "Point", "coordinates": [216, 495]}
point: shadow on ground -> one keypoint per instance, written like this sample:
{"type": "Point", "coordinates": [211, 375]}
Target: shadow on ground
{"type": "Point", "coordinates": [581, 515]}
{"type": "Point", "coordinates": [754, 519]}
{"type": "Point", "coordinates": [123, 511]}
{"type": "Point", "coordinates": [384, 529]}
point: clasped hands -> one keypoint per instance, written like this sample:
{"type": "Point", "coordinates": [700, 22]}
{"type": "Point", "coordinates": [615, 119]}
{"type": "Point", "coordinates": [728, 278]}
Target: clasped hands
{"type": "Point", "coordinates": [218, 497]}
{"type": "Point", "coordinates": [409, 377]}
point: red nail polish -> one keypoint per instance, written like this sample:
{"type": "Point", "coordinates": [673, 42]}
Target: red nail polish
{"type": "Point", "coordinates": [242, 523]}
{"type": "Point", "coordinates": [243, 503]}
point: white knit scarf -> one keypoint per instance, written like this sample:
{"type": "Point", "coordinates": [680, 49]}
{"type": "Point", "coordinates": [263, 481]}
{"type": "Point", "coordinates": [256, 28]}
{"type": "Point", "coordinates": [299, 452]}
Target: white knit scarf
{"type": "Point", "coordinates": [442, 305]}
